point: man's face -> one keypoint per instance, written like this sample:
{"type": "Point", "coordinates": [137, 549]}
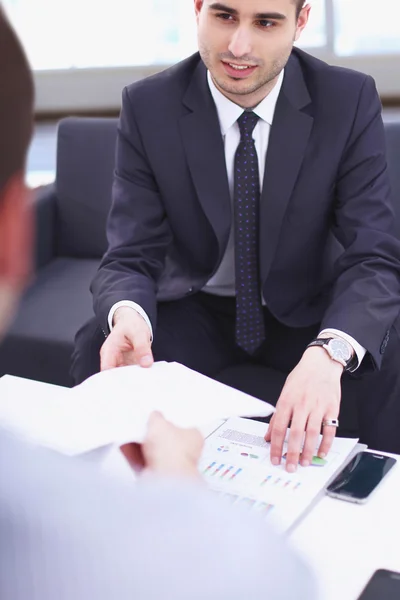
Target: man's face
{"type": "Point", "coordinates": [246, 43]}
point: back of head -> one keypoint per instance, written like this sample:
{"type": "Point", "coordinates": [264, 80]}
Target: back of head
{"type": "Point", "coordinates": [16, 213]}
{"type": "Point", "coordinates": [16, 103]}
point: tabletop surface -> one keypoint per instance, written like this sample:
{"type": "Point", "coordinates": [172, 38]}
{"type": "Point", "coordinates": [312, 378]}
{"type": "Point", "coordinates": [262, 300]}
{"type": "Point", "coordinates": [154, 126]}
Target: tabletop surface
{"type": "Point", "coordinates": [343, 542]}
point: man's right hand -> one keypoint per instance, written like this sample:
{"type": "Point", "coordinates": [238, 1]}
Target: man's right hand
{"type": "Point", "coordinates": [129, 342]}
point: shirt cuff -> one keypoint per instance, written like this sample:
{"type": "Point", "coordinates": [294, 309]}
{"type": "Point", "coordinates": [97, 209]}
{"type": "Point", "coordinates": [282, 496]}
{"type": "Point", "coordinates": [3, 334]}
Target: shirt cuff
{"type": "Point", "coordinates": [136, 307]}
{"type": "Point", "coordinates": [358, 349]}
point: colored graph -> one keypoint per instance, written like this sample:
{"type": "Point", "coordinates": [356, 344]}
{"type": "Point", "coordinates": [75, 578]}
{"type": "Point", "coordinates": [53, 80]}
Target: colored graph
{"type": "Point", "coordinates": [247, 455]}
{"type": "Point", "coordinates": [249, 503]}
{"type": "Point", "coordinates": [280, 483]}
{"type": "Point", "coordinates": [223, 449]}
{"type": "Point", "coordinates": [263, 507]}
{"type": "Point", "coordinates": [222, 471]}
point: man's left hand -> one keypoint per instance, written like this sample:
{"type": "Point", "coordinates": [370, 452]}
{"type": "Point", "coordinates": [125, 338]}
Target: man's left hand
{"type": "Point", "coordinates": [310, 395]}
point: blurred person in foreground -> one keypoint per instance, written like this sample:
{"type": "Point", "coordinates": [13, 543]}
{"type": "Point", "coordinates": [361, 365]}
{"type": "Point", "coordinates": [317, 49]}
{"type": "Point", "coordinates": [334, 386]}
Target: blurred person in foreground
{"type": "Point", "coordinates": [67, 532]}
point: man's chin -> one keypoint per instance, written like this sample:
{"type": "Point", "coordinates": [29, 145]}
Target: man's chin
{"type": "Point", "coordinates": [236, 87]}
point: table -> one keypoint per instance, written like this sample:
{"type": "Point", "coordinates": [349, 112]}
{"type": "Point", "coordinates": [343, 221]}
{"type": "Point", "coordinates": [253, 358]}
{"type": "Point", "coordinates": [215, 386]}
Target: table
{"type": "Point", "coordinates": [344, 543]}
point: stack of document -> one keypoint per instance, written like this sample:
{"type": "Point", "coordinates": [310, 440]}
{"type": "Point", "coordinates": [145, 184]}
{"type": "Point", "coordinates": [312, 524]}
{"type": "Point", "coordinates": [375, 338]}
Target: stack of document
{"type": "Point", "coordinates": [113, 407]}
{"type": "Point", "coordinates": [236, 464]}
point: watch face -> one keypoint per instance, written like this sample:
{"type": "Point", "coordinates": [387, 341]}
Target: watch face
{"type": "Point", "coordinates": [340, 350]}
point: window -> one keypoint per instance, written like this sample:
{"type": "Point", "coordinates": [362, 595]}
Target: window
{"type": "Point", "coordinates": [88, 33]}
{"type": "Point", "coordinates": [119, 41]}
{"type": "Point", "coordinates": [364, 27]}
{"type": "Point", "coordinates": [96, 33]}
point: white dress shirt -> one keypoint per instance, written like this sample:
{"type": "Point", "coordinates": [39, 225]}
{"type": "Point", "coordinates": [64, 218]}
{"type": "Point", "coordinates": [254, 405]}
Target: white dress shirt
{"type": "Point", "coordinates": [223, 281]}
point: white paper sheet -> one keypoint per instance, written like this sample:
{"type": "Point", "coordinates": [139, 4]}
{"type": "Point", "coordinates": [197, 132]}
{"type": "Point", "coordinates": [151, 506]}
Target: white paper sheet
{"type": "Point", "coordinates": [114, 406]}
{"type": "Point", "coordinates": [41, 414]}
{"type": "Point", "coordinates": [236, 463]}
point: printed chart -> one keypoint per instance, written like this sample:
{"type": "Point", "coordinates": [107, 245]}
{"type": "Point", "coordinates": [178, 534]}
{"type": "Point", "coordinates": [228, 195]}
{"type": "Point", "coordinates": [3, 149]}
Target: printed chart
{"type": "Point", "coordinates": [236, 465]}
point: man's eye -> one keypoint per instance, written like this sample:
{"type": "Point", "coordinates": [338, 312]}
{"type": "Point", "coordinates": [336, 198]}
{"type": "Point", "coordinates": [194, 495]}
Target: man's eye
{"type": "Point", "coordinates": [224, 16]}
{"type": "Point", "coordinates": [266, 24]}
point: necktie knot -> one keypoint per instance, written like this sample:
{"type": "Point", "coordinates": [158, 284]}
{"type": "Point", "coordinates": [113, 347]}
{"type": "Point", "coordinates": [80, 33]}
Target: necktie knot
{"type": "Point", "coordinates": [247, 122]}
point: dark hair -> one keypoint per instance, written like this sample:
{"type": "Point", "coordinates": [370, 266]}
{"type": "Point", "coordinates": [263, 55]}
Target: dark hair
{"type": "Point", "coordinates": [16, 103]}
{"type": "Point", "coordinates": [300, 4]}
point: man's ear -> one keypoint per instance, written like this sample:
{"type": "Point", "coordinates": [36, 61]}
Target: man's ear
{"type": "Point", "coordinates": [16, 232]}
{"type": "Point", "coordinates": [302, 20]}
{"type": "Point", "coordinates": [198, 5]}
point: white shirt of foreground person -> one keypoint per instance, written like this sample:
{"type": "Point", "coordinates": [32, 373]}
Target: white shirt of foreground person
{"type": "Point", "coordinates": [69, 533]}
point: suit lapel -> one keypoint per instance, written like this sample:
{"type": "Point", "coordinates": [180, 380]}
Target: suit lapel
{"type": "Point", "coordinates": [288, 140]}
{"type": "Point", "coordinates": [204, 148]}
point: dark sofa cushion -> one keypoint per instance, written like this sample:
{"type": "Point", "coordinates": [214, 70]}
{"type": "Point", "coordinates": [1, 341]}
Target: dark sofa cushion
{"type": "Point", "coordinates": [52, 310]}
{"type": "Point", "coordinates": [85, 167]}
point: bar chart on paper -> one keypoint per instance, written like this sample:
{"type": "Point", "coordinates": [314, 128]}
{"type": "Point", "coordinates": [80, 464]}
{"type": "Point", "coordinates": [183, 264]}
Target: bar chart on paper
{"type": "Point", "coordinates": [236, 465]}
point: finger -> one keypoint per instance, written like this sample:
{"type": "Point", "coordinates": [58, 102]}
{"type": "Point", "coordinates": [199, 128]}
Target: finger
{"type": "Point", "coordinates": [267, 436]}
{"type": "Point", "coordinates": [133, 454]}
{"type": "Point", "coordinates": [278, 434]}
{"type": "Point", "coordinates": [155, 418]}
{"type": "Point", "coordinates": [296, 438]}
{"type": "Point", "coordinates": [157, 426]}
{"type": "Point", "coordinates": [328, 435]}
{"type": "Point", "coordinates": [109, 353]}
{"type": "Point", "coordinates": [142, 353]}
{"type": "Point", "coordinates": [312, 435]}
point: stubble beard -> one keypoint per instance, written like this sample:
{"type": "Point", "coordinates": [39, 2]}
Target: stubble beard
{"type": "Point", "coordinates": [277, 66]}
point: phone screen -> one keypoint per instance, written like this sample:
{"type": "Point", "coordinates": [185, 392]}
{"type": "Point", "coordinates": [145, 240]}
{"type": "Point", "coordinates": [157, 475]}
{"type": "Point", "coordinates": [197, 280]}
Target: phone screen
{"type": "Point", "coordinates": [383, 585]}
{"type": "Point", "coordinates": [361, 476]}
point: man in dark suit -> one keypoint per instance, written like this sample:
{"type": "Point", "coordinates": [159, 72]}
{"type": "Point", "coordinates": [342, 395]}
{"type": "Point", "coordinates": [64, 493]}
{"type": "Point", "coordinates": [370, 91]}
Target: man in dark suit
{"type": "Point", "coordinates": [251, 217]}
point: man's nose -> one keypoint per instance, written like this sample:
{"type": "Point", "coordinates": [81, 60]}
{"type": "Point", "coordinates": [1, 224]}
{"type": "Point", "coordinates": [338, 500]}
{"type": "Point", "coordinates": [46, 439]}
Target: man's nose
{"type": "Point", "coordinates": [240, 44]}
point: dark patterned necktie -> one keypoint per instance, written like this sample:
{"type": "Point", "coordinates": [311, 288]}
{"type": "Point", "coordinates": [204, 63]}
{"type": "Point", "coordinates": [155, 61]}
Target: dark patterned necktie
{"type": "Point", "coordinates": [250, 331]}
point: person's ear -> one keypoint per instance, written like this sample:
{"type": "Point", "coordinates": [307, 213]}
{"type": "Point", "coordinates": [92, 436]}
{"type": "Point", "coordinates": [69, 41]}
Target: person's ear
{"type": "Point", "coordinates": [198, 4]}
{"type": "Point", "coordinates": [302, 20]}
{"type": "Point", "coordinates": [16, 232]}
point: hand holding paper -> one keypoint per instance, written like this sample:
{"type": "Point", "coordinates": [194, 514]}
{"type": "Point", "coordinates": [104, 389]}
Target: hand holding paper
{"type": "Point", "coordinates": [167, 449]}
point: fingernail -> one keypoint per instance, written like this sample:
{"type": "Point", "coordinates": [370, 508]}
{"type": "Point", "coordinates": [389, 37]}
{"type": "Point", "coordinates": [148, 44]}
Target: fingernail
{"type": "Point", "coordinates": [291, 468]}
{"type": "Point", "coordinates": [275, 461]}
{"type": "Point", "coordinates": [146, 361]}
{"type": "Point", "coordinates": [321, 454]}
{"type": "Point", "coordinates": [305, 463]}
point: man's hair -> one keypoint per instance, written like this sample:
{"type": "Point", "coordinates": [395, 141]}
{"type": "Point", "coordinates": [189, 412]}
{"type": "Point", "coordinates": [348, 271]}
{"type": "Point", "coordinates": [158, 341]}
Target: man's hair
{"type": "Point", "coordinates": [16, 103]}
{"type": "Point", "coordinates": [300, 4]}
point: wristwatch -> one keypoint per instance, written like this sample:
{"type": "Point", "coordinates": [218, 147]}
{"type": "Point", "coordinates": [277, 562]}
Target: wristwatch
{"type": "Point", "coordinates": [338, 350]}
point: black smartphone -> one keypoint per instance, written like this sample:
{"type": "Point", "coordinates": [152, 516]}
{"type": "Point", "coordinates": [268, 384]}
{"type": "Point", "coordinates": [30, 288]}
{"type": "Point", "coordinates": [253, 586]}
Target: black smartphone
{"type": "Point", "coordinates": [383, 585]}
{"type": "Point", "coordinates": [360, 477]}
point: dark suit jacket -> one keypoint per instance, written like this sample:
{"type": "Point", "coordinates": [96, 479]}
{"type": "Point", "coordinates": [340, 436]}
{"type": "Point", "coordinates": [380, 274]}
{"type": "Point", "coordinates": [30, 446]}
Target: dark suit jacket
{"type": "Point", "coordinates": [328, 254]}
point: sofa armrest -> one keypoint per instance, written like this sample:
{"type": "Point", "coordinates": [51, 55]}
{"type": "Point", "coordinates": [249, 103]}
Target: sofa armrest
{"type": "Point", "coordinates": [45, 221]}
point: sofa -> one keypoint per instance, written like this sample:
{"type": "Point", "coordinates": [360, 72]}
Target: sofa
{"type": "Point", "coordinates": [71, 217]}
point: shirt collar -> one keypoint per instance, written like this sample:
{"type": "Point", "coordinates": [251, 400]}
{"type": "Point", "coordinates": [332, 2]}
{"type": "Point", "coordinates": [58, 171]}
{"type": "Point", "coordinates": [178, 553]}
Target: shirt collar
{"type": "Point", "coordinates": [229, 112]}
